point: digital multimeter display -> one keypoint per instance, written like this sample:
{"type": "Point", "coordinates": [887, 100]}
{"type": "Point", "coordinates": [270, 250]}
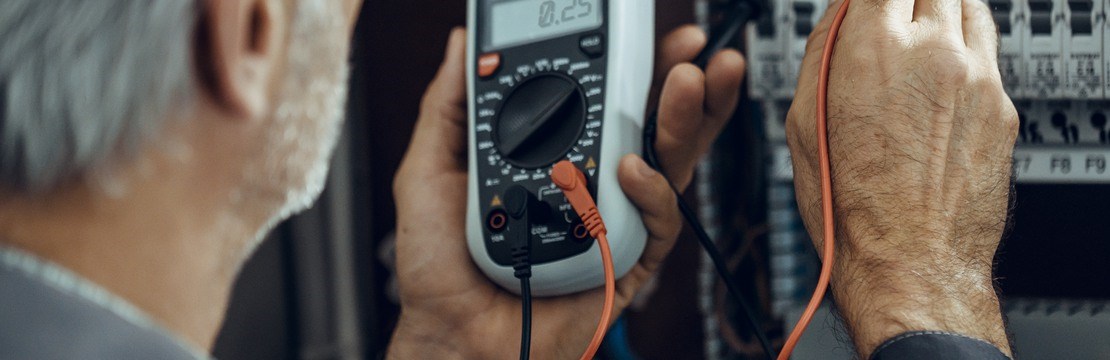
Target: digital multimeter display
{"type": "Point", "coordinates": [515, 22]}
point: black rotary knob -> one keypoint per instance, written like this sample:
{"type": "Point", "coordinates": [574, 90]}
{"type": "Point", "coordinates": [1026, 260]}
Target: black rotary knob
{"type": "Point", "coordinates": [540, 121]}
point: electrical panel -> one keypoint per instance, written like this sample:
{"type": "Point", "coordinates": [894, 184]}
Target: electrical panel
{"type": "Point", "coordinates": [1052, 62]}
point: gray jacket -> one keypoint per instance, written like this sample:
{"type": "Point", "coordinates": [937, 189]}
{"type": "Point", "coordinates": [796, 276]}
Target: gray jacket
{"type": "Point", "coordinates": [47, 312]}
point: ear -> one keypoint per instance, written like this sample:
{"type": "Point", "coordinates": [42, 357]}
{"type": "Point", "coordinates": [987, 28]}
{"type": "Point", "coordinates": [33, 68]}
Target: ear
{"type": "Point", "coordinates": [239, 53]}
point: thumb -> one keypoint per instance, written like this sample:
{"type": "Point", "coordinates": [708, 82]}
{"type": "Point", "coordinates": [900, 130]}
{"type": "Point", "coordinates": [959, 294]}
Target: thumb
{"type": "Point", "coordinates": [652, 194]}
{"type": "Point", "coordinates": [439, 140]}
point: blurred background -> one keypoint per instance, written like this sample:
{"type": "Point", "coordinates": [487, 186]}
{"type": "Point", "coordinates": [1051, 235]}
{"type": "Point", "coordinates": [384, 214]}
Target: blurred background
{"type": "Point", "coordinates": [322, 288]}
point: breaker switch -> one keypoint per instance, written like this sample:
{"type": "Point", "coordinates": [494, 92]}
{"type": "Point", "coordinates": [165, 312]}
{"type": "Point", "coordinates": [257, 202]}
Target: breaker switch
{"type": "Point", "coordinates": [765, 27]}
{"type": "Point", "coordinates": [1081, 16]}
{"type": "Point", "coordinates": [1040, 16]}
{"type": "Point", "coordinates": [804, 11]}
{"type": "Point", "coordinates": [1001, 11]}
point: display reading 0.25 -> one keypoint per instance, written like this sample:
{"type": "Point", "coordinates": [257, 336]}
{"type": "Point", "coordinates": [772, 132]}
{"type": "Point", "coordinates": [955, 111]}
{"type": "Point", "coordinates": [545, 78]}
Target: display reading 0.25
{"type": "Point", "coordinates": [517, 22]}
{"type": "Point", "coordinates": [552, 13]}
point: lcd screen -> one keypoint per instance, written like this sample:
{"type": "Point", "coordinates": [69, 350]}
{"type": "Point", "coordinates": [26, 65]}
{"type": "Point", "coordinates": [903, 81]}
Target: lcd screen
{"type": "Point", "coordinates": [522, 21]}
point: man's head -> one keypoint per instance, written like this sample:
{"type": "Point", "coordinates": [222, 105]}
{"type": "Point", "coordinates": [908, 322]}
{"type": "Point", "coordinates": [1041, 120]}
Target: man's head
{"type": "Point", "coordinates": [233, 105]}
{"type": "Point", "coordinates": [147, 144]}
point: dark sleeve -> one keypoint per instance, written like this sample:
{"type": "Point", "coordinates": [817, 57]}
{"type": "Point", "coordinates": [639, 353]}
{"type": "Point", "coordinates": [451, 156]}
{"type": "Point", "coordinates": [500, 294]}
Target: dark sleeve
{"type": "Point", "coordinates": [936, 345]}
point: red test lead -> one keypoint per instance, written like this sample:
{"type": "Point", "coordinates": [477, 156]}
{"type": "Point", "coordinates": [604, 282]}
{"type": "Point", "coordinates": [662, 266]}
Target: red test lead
{"type": "Point", "coordinates": [573, 183]}
{"type": "Point", "coordinates": [829, 224]}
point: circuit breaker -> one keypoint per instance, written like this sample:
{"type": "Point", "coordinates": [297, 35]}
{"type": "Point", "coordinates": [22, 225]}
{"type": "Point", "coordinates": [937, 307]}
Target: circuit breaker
{"type": "Point", "coordinates": [767, 54]}
{"type": "Point", "coordinates": [1084, 21]}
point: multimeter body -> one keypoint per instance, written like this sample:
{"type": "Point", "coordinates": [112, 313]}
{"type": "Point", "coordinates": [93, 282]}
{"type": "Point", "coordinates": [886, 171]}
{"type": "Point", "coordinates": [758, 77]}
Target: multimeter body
{"type": "Point", "coordinates": [552, 80]}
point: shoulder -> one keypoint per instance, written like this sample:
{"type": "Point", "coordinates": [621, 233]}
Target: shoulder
{"type": "Point", "coordinates": [41, 319]}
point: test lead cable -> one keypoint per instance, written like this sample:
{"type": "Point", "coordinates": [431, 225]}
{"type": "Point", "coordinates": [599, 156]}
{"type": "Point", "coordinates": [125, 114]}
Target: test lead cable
{"type": "Point", "coordinates": [827, 215]}
{"type": "Point", "coordinates": [518, 203]}
{"type": "Point", "coordinates": [715, 257]}
{"type": "Point", "coordinates": [739, 14]}
{"type": "Point", "coordinates": [573, 183]}
{"type": "Point", "coordinates": [526, 318]}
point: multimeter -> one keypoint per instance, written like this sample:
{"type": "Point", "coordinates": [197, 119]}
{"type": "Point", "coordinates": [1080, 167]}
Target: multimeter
{"type": "Point", "coordinates": [553, 80]}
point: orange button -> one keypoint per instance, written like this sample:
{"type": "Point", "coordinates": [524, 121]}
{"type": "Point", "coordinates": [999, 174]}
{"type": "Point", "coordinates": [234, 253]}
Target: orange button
{"type": "Point", "coordinates": [488, 64]}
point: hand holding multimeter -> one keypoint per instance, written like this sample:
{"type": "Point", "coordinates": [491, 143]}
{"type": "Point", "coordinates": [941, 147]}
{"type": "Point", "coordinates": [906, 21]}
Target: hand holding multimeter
{"type": "Point", "coordinates": [449, 305]}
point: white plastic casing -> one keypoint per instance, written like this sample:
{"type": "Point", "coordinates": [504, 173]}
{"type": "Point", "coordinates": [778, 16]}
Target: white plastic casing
{"type": "Point", "coordinates": [630, 53]}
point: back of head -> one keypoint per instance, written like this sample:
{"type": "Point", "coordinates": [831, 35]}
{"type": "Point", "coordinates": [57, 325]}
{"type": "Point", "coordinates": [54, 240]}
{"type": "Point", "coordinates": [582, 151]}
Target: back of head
{"type": "Point", "coordinates": [83, 81]}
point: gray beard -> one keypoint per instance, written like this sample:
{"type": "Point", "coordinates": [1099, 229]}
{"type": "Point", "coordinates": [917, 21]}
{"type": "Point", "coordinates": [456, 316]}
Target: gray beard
{"type": "Point", "coordinates": [294, 165]}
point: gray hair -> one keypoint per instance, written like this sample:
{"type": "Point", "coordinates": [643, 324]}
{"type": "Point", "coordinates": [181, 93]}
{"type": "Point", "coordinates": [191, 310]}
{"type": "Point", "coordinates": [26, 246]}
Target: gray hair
{"type": "Point", "coordinates": [82, 81]}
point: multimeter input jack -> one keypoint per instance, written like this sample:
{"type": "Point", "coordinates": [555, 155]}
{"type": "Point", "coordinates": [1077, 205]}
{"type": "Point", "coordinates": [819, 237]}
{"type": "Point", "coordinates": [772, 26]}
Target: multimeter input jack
{"type": "Point", "coordinates": [497, 220]}
{"type": "Point", "coordinates": [580, 232]}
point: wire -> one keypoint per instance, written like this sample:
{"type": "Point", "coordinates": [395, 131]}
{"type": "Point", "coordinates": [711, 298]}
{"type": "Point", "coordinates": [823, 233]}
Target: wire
{"type": "Point", "coordinates": [526, 318]}
{"type": "Point", "coordinates": [610, 297]}
{"type": "Point", "coordinates": [722, 270]}
{"type": "Point", "coordinates": [518, 203]}
{"type": "Point", "coordinates": [706, 242]}
{"type": "Point", "coordinates": [724, 34]}
{"type": "Point", "coordinates": [729, 333]}
{"type": "Point", "coordinates": [721, 36]}
{"type": "Point", "coordinates": [829, 224]}
{"type": "Point", "coordinates": [573, 183]}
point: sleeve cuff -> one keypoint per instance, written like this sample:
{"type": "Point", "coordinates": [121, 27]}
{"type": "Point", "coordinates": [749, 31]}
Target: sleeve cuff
{"type": "Point", "coordinates": [936, 345]}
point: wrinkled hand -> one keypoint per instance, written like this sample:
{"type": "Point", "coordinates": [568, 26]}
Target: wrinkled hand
{"type": "Point", "coordinates": [921, 140]}
{"type": "Point", "coordinates": [449, 309]}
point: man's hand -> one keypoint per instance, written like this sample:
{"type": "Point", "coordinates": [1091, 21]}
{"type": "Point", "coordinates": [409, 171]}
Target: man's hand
{"type": "Point", "coordinates": [449, 309]}
{"type": "Point", "coordinates": [921, 139]}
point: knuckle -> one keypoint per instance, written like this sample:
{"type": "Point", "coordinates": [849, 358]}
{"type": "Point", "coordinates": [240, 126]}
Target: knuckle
{"type": "Point", "coordinates": [673, 227]}
{"type": "Point", "coordinates": [1009, 119]}
{"type": "Point", "coordinates": [989, 73]}
{"type": "Point", "coordinates": [793, 127]}
{"type": "Point", "coordinates": [800, 144]}
{"type": "Point", "coordinates": [664, 222]}
{"type": "Point", "coordinates": [867, 52]}
{"type": "Point", "coordinates": [948, 67]}
{"type": "Point", "coordinates": [986, 80]}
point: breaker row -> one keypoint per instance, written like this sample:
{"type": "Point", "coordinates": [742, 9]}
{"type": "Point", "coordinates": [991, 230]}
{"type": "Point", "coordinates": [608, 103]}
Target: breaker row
{"type": "Point", "coordinates": [1050, 49]}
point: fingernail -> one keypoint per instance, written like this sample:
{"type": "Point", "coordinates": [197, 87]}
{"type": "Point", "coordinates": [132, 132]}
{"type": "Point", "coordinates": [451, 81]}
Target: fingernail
{"type": "Point", "coordinates": [645, 171]}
